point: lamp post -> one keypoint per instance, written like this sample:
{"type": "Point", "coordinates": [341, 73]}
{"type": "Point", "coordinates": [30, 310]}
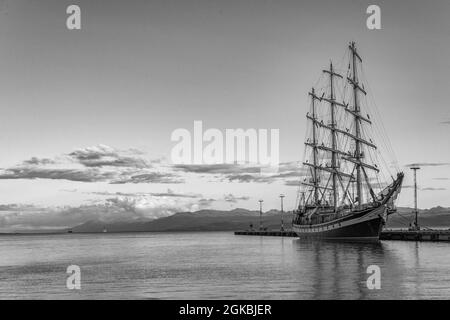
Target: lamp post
{"type": "Point", "coordinates": [282, 224]}
{"type": "Point", "coordinates": [416, 211]}
{"type": "Point", "coordinates": [260, 214]}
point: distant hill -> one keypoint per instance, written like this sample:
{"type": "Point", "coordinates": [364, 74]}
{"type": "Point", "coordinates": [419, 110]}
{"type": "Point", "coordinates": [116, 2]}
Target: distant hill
{"type": "Point", "coordinates": [203, 220]}
{"type": "Point", "coordinates": [240, 219]}
{"type": "Point", "coordinates": [434, 217]}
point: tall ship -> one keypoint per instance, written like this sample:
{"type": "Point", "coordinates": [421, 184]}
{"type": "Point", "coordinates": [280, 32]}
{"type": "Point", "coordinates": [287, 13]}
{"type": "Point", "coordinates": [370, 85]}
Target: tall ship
{"type": "Point", "coordinates": [347, 188]}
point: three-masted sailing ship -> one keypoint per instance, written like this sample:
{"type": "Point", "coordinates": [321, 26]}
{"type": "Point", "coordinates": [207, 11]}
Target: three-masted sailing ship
{"type": "Point", "coordinates": [343, 192]}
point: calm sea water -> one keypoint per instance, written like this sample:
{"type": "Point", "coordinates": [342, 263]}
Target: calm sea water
{"type": "Point", "coordinates": [218, 265]}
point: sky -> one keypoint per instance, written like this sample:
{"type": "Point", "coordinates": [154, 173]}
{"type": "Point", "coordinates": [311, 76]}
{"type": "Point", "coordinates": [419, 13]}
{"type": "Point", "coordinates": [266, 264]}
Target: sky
{"type": "Point", "coordinates": [87, 115]}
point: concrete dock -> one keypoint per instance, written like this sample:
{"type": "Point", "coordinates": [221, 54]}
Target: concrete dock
{"type": "Point", "coordinates": [421, 235]}
{"type": "Point", "coordinates": [272, 233]}
{"type": "Point", "coordinates": [402, 235]}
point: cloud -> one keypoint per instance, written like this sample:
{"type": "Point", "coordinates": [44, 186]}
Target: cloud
{"type": "Point", "coordinates": [169, 193]}
{"type": "Point", "coordinates": [93, 164]}
{"type": "Point", "coordinates": [102, 163]}
{"type": "Point", "coordinates": [147, 207]}
{"type": "Point", "coordinates": [35, 172]}
{"type": "Point", "coordinates": [285, 170]}
{"type": "Point", "coordinates": [39, 161]}
{"type": "Point", "coordinates": [69, 190]}
{"type": "Point", "coordinates": [428, 164]}
{"type": "Point", "coordinates": [444, 179]}
{"type": "Point", "coordinates": [153, 177]}
{"type": "Point", "coordinates": [244, 173]}
{"type": "Point", "coordinates": [217, 168]}
{"type": "Point", "coordinates": [445, 122]}
{"type": "Point", "coordinates": [289, 174]}
{"type": "Point", "coordinates": [17, 217]}
{"type": "Point", "coordinates": [258, 178]}
{"type": "Point", "coordinates": [102, 156]}
{"type": "Point", "coordinates": [205, 203]}
{"type": "Point", "coordinates": [432, 189]}
{"type": "Point", "coordinates": [423, 188]}
{"type": "Point", "coordinates": [233, 199]}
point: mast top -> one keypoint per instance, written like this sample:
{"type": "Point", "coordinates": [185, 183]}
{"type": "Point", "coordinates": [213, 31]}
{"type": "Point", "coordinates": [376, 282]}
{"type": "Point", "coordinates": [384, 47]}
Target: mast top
{"type": "Point", "coordinates": [352, 47]}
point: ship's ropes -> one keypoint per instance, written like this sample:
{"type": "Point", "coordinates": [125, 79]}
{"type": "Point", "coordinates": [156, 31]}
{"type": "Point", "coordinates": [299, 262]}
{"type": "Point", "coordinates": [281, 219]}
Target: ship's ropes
{"type": "Point", "coordinates": [379, 125]}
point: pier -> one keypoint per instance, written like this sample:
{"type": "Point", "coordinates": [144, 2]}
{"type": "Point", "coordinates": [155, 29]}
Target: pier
{"type": "Point", "coordinates": [400, 235]}
{"type": "Point", "coordinates": [273, 233]}
{"type": "Point", "coordinates": [416, 235]}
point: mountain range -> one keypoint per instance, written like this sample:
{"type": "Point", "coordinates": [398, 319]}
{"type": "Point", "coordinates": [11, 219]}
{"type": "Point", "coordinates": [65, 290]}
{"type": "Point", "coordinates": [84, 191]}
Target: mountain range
{"type": "Point", "coordinates": [241, 219]}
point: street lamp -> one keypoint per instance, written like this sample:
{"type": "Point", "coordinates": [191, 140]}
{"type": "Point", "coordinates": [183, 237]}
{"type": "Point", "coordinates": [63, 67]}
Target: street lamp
{"type": "Point", "coordinates": [260, 214]}
{"type": "Point", "coordinates": [416, 211]}
{"type": "Point", "coordinates": [282, 224]}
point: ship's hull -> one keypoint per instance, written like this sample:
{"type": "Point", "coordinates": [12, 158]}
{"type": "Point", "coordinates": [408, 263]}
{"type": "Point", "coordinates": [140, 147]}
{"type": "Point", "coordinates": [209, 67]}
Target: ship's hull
{"type": "Point", "coordinates": [363, 226]}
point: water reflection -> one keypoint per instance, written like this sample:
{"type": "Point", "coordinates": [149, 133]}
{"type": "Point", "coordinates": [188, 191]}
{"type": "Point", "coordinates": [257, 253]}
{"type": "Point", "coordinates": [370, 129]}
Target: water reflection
{"type": "Point", "coordinates": [339, 269]}
{"type": "Point", "coordinates": [219, 265]}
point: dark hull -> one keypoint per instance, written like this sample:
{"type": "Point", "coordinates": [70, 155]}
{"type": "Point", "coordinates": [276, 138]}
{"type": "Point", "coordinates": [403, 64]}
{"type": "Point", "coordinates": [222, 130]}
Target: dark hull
{"type": "Point", "coordinates": [364, 226]}
{"type": "Point", "coordinates": [368, 230]}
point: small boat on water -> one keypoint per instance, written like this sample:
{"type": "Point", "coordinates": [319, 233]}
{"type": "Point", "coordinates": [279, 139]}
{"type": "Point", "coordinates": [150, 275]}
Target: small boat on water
{"type": "Point", "coordinates": [344, 192]}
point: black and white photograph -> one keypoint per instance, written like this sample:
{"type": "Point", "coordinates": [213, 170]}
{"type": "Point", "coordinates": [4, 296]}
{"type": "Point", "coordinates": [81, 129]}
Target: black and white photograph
{"type": "Point", "coordinates": [224, 150]}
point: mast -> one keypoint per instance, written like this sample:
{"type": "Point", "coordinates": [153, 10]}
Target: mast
{"type": "Point", "coordinates": [332, 127]}
{"type": "Point", "coordinates": [331, 190]}
{"type": "Point", "coordinates": [358, 155]}
{"type": "Point", "coordinates": [314, 145]}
